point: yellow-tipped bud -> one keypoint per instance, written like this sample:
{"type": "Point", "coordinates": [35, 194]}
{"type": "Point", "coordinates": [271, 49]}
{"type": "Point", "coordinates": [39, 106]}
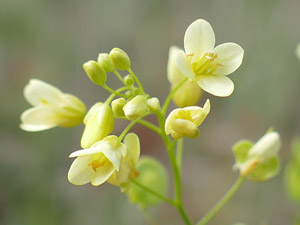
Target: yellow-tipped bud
{"type": "Point", "coordinates": [136, 107]}
{"type": "Point", "coordinates": [117, 107]}
{"type": "Point", "coordinates": [119, 59]}
{"type": "Point", "coordinates": [95, 72]}
{"type": "Point", "coordinates": [99, 122]}
{"type": "Point", "coordinates": [153, 104]}
{"type": "Point", "coordinates": [129, 80]}
{"type": "Point", "coordinates": [105, 62]}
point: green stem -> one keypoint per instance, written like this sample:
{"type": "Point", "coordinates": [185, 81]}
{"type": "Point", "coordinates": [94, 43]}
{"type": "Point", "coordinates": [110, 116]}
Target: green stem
{"type": "Point", "coordinates": [149, 125]}
{"type": "Point", "coordinates": [119, 76]}
{"type": "Point", "coordinates": [179, 153]}
{"type": "Point", "coordinates": [176, 174]}
{"type": "Point", "coordinates": [136, 80]}
{"type": "Point", "coordinates": [112, 91]}
{"type": "Point", "coordinates": [235, 187]}
{"type": "Point", "coordinates": [162, 197]}
{"type": "Point", "coordinates": [112, 96]}
{"type": "Point", "coordinates": [169, 98]}
{"type": "Point", "coordinates": [126, 130]}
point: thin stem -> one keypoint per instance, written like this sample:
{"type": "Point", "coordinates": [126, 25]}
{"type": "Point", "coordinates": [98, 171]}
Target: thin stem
{"type": "Point", "coordinates": [126, 130]}
{"type": "Point", "coordinates": [112, 96]}
{"type": "Point", "coordinates": [112, 91]}
{"type": "Point", "coordinates": [150, 125]}
{"type": "Point", "coordinates": [179, 151]}
{"type": "Point", "coordinates": [162, 197]}
{"type": "Point", "coordinates": [235, 187]}
{"type": "Point", "coordinates": [119, 76]}
{"type": "Point", "coordinates": [169, 98]}
{"type": "Point", "coordinates": [136, 80]}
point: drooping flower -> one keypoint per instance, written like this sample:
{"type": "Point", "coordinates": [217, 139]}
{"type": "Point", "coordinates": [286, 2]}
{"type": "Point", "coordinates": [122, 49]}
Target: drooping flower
{"type": "Point", "coordinates": [206, 65]}
{"type": "Point", "coordinates": [99, 122]}
{"type": "Point", "coordinates": [136, 107]}
{"type": "Point", "coordinates": [97, 163]}
{"type": "Point", "coordinates": [190, 92]}
{"type": "Point", "coordinates": [258, 161]}
{"type": "Point", "coordinates": [184, 122]}
{"type": "Point", "coordinates": [127, 169]}
{"type": "Point", "coordinates": [51, 107]}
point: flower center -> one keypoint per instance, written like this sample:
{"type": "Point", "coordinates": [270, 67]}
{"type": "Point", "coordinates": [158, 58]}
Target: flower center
{"type": "Point", "coordinates": [97, 162]}
{"type": "Point", "coordinates": [207, 64]}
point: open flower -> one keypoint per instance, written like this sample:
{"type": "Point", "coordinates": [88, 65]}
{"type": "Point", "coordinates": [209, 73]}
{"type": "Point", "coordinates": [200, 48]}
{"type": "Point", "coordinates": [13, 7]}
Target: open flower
{"type": "Point", "coordinates": [185, 121]}
{"type": "Point", "coordinates": [206, 65]}
{"type": "Point", "coordinates": [51, 107]}
{"type": "Point", "coordinates": [97, 163]}
{"type": "Point", "coordinates": [190, 92]}
{"type": "Point", "coordinates": [127, 169]}
{"type": "Point", "coordinates": [258, 161]}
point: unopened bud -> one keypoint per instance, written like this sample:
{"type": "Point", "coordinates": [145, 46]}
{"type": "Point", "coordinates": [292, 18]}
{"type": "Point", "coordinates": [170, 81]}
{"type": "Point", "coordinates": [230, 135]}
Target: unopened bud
{"type": "Point", "coordinates": [136, 107]}
{"type": "Point", "coordinates": [105, 62]}
{"type": "Point", "coordinates": [117, 107]}
{"type": "Point", "coordinates": [119, 59]}
{"type": "Point", "coordinates": [153, 104]}
{"type": "Point", "coordinates": [129, 80]}
{"type": "Point", "coordinates": [95, 72]}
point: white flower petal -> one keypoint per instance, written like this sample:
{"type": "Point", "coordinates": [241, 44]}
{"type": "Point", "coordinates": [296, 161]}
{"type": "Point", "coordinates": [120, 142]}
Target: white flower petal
{"type": "Point", "coordinates": [84, 152]}
{"type": "Point", "coordinates": [229, 56]}
{"type": "Point", "coordinates": [184, 65]}
{"type": "Point", "coordinates": [102, 174]}
{"type": "Point", "coordinates": [133, 147]}
{"type": "Point", "coordinates": [38, 92]}
{"type": "Point", "coordinates": [199, 38]}
{"type": "Point", "coordinates": [174, 75]}
{"type": "Point", "coordinates": [220, 86]}
{"type": "Point", "coordinates": [40, 118]}
{"type": "Point", "coordinates": [80, 172]}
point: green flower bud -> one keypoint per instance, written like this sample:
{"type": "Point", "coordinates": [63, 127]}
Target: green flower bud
{"type": "Point", "coordinates": [129, 80]}
{"type": "Point", "coordinates": [105, 62]}
{"type": "Point", "coordinates": [95, 72]}
{"type": "Point", "coordinates": [153, 104]}
{"type": "Point", "coordinates": [119, 59]}
{"type": "Point", "coordinates": [152, 175]}
{"type": "Point", "coordinates": [99, 122]}
{"type": "Point", "coordinates": [117, 106]}
{"type": "Point", "coordinates": [258, 161]}
{"type": "Point", "coordinates": [136, 107]}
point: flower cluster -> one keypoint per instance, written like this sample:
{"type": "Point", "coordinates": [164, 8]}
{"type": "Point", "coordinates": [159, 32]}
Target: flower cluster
{"type": "Point", "coordinates": [107, 157]}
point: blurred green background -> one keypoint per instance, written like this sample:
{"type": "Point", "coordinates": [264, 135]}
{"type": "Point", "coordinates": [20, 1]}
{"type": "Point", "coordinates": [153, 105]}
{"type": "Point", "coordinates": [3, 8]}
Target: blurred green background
{"type": "Point", "coordinates": [51, 39]}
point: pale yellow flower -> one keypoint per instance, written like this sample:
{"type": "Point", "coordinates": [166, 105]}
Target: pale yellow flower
{"type": "Point", "coordinates": [99, 122]}
{"type": "Point", "coordinates": [97, 163]}
{"type": "Point", "coordinates": [127, 169]}
{"type": "Point", "coordinates": [206, 65]}
{"type": "Point", "coordinates": [298, 51]}
{"type": "Point", "coordinates": [51, 107]}
{"type": "Point", "coordinates": [190, 92]}
{"type": "Point", "coordinates": [258, 161]}
{"type": "Point", "coordinates": [185, 121]}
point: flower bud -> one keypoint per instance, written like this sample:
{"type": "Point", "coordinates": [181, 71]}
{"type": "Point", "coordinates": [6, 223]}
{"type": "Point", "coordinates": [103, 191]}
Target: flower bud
{"type": "Point", "coordinates": [258, 161]}
{"type": "Point", "coordinates": [119, 59]}
{"type": "Point", "coordinates": [153, 104]}
{"type": "Point", "coordinates": [117, 106]}
{"type": "Point", "coordinates": [184, 122]}
{"type": "Point", "coordinates": [136, 107]}
{"type": "Point", "coordinates": [95, 72]}
{"type": "Point", "coordinates": [99, 122]}
{"type": "Point", "coordinates": [152, 175]}
{"type": "Point", "coordinates": [129, 80]}
{"type": "Point", "coordinates": [105, 62]}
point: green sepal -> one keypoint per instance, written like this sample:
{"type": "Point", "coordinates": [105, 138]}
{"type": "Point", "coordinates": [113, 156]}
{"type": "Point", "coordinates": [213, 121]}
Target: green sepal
{"type": "Point", "coordinates": [240, 150]}
{"type": "Point", "coordinates": [265, 170]}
